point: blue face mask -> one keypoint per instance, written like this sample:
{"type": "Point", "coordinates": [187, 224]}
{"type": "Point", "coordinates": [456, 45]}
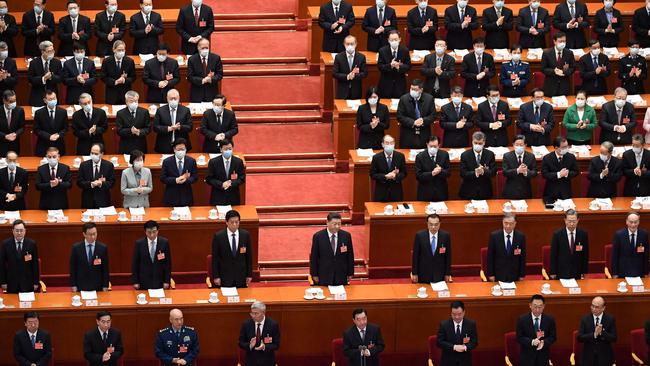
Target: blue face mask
{"type": "Point", "coordinates": [51, 103]}
{"type": "Point", "coordinates": [227, 154]}
{"type": "Point", "coordinates": [389, 149]}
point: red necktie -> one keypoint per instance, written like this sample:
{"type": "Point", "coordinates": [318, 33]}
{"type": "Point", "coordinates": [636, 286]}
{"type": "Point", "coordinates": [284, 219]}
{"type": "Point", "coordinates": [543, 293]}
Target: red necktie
{"type": "Point", "coordinates": [205, 67]}
{"type": "Point", "coordinates": [494, 112]}
{"type": "Point", "coordinates": [196, 16]}
{"type": "Point", "coordinates": [258, 333]}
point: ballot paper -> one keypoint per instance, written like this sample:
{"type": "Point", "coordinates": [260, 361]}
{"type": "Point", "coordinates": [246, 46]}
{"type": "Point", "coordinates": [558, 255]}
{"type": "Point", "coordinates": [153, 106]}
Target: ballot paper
{"type": "Point", "coordinates": [89, 295]}
{"type": "Point", "coordinates": [507, 285]}
{"type": "Point", "coordinates": [401, 208]}
{"type": "Point", "coordinates": [439, 286]}
{"type": "Point", "coordinates": [481, 206]}
{"type": "Point", "coordinates": [365, 153]}
{"type": "Point", "coordinates": [441, 101]}
{"type": "Point", "coordinates": [596, 101]}
{"type": "Point", "coordinates": [635, 99]}
{"type": "Point", "coordinates": [634, 281]}
{"type": "Point", "coordinates": [569, 282]}
{"type": "Point", "coordinates": [515, 102]}
{"type": "Point", "coordinates": [229, 291]}
{"type": "Point", "coordinates": [108, 211]}
{"type": "Point", "coordinates": [116, 108]}
{"type": "Point", "coordinates": [578, 52]}
{"type": "Point", "coordinates": [157, 293]}
{"type": "Point", "coordinates": [136, 211]}
{"type": "Point", "coordinates": [539, 151]}
{"type": "Point", "coordinates": [519, 205]}
{"type": "Point", "coordinates": [353, 104]}
{"type": "Point", "coordinates": [55, 213]}
{"type": "Point", "coordinates": [501, 53]}
{"type": "Point", "coordinates": [336, 290]}
{"type": "Point", "coordinates": [145, 57]}
{"type": "Point", "coordinates": [454, 154]}
{"type": "Point", "coordinates": [560, 101]}
{"type": "Point", "coordinates": [26, 297]}
{"type": "Point", "coordinates": [12, 215]}
{"type": "Point", "coordinates": [460, 53]}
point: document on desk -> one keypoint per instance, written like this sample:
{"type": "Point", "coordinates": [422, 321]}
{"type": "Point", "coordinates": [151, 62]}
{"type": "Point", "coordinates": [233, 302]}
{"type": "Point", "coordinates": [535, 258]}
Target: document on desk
{"type": "Point", "coordinates": [26, 297]}
{"type": "Point", "coordinates": [55, 213]}
{"type": "Point", "coordinates": [365, 153]}
{"type": "Point", "coordinates": [183, 211]}
{"type": "Point", "coordinates": [157, 293]}
{"type": "Point", "coordinates": [439, 286]}
{"type": "Point", "coordinates": [336, 290]}
{"type": "Point", "coordinates": [634, 281]}
{"type": "Point", "coordinates": [507, 285]}
{"type": "Point", "coordinates": [569, 282]}
{"type": "Point", "coordinates": [108, 211]}
{"type": "Point", "coordinates": [137, 211]}
{"type": "Point", "coordinates": [89, 295]}
{"type": "Point", "coordinates": [229, 291]}
{"type": "Point", "coordinates": [12, 215]}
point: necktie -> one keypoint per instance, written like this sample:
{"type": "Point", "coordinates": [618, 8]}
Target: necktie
{"type": "Point", "coordinates": [47, 66]}
{"type": "Point", "coordinates": [180, 167]}
{"type": "Point", "coordinates": [519, 159]}
{"type": "Point", "coordinates": [333, 243]}
{"type": "Point", "coordinates": [74, 25]}
{"type": "Point", "coordinates": [227, 166]}
{"type": "Point", "coordinates": [152, 249]}
{"type": "Point", "coordinates": [534, 13]}
{"type": "Point", "coordinates": [573, 11]}
{"type": "Point", "coordinates": [147, 20]}
{"type": "Point", "coordinates": [436, 84]}
{"type": "Point", "coordinates": [424, 14]}
{"type": "Point", "coordinates": [205, 67]}
{"type": "Point", "coordinates": [619, 113]}
{"type": "Point", "coordinates": [19, 248]}
{"type": "Point", "coordinates": [595, 67]}
{"type": "Point", "coordinates": [609, 17]}
{"type": "Point", "coordinates": [233, 244]}
{"type": "Point", "coordinates": [11, 178]}
{"type": "Point", "coordinates": [433, 159]}
{"type": "Point", "coordinates": [633, 240]}
{"type": "Point", "coordinates": [119, 65]}
{"type": "Point", "coordinates": [172, 116]}
{"type": "Point", "coordinates": [2, 65]}
{"type": "Point", "coordinates": [52, 116]}
{"type": "Point", "coordinates": [394, 54]}
{"type": "Point", "coordinates": [536, 114]}
{"type": "Point", "coordinates": [494, 112]}
{"type": "Point", "coordinates": [559, 59]}
{"type": "Point", "coordinates": [219, 119]}
{"type": "Point", "coordinates": [597, 320]}
{"type": "Point", "coordinates": [105, 336]}
{"type": "Point", "coordinates": [363, 335]}
{"type": "Point", "coordinates": [96, 171]}
{"type": "Point", "coordinates": [88, 116]}
{"type": "Point", "coordinates": [33, 338]}
{"type": "Point", "coordinates": [38, 19]}
{"type": "Point", "coordinates": [389, 160]}
{"type": "Point", "coordinates": [536, 324]}
{"type": "Point", "coordinates": [80, 67]}
{"type": "Point", "coordinates": [417, 109]}
{"type": "Point", "coordinates": [458, 111]}
{"type": "Point", "coordinates": [133, 114]}
{"type": "Point", "coordinates": [196, 16]}
{"type": "Point", "coordinates": [559, 160]}
{"type": "Point", "coordinates": [508, 243]}
{"type": "Point", "coordinates": [162, 71]}
{"type": "Point", "coordinates": [258, 333]}
{"type": "Point", "coordinates": [458, 336]}
{"type": "Point", "coordinates": [479, 63]}
{"type": "Point", "coordinates": [433, 245]}
{"type": "Point", "coordinates": [90, 254]}
{"type": "Point", "coordinates": [381, 16]}
{"type": "Point", "coordinates": [571, 242]}
{"type": "Point", "coordinates": [336, 12]}
{"type": "Point", "coordinates": [9, 118]}
{"type": "Point", "coordinates": [53, 174]}
{"type": "Point", "coordinates": [462, 14]}
{"type": "Point", "coordinates": [498, 13]}
{"type": "Point", "coordinates": [110, 19]}
{"type": "Point", "coordinates": [478, 158]}
{"type": "Point", "coordinates": [350, 61]}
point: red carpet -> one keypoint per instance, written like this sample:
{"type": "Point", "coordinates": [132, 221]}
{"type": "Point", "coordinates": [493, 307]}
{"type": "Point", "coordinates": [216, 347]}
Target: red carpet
{"type": "Point", "coordinates": [297, 189]}
{"type": "Point", "coordinates": [251, 7]}
{"type": "Point", "coordinates": [284, 138]}
{"type": "Point", "coordinates": [261, 44]}
{"type": "Point", "coordinates": [272, 90]}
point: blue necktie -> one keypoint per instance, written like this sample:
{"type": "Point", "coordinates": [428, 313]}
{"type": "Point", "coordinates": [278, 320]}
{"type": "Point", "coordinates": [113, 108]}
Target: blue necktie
{"type": "Point", "coordinates": [417, 110]}
{"type": "Point", "coordinates": [90, 253]}
{"type": "Point", "coordinates": [633, 240]}
{"type": "Point", "coordinates": [389, 160]}
{"type": "Point", "coordinates": [234, 246]}
{"type": "Point", "coordinates": [595, 67]}
{"type": "Point", "coordinates": [433, 245]}
{"type": "Point", "coordinates": [536, 114]}
{"type": "Point", "coordinates": [536, 324]}
{"type": "Point", "coordinates": [508, 244]}
{"type": "Point", "coordinates": [33, 340]}
{"type": "Point", "coordinates": [458, 111]}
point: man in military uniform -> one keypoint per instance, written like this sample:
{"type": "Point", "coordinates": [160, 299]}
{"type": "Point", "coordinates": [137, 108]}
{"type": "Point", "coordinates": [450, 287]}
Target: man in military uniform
{"type": "Point", "coordinates": [177, 344]}
{"type": "Point", "coordinates": [515, 74]}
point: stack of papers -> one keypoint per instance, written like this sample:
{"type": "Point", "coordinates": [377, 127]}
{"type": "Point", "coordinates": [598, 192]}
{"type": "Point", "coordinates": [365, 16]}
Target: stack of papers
{"type": "Point", "coordinates": [454, 154]}
{"type": "Point", "coordinates": [569, 282]}
{"type": "Point", "coordinates": [481, 206]}
{"type": "Point", "coordinates": [580, 150]}
{"type": "Point", "coordinates": [137, 211]}
{"type": "Point", "coordinates": [605, 203]}
{"type": "Point", "coordinates": [534, 53]}
{"type": "Point", "coordinates": [439, 207]}
{"type": "Point", "coordinates": [515, 102]}
{"type": "Point", "coordinates": [439, 286]}
{"type": "Point", "coordinates": [539, 151]}
{"type": "Point", "coordinates": [560, 101]}
{"type": "Point", "coordinates": [157, 293]}
{"type": "Point", "coordinates": [566, 204]}
{"type": "Point", "coordinates": [230, 291]}
{"type": "Point", "coordinates": [479, 100]}
{"type": "Point", "coordinates": [183, 211]}
{"type": "Point", "coordinates": [55, 213]}
{"type": "Point", "coordinates": [499, 151]}
{"type": "Point", "coordinates": [365, 153]}
{"type": "Point", "coordinates": [507, 285]}
{"type": "Point", "coordinates": [402, 209]}
{"type": "Point", "coordinates": [519, 205]}
{"type": "Point", "coordinates": [116, 108]}
{"type": "Point", "coordinates": [12, 215]}
{"type": "Point", "coordinates": [610, 51]}
{"type": "Point", "coordinates": [108, 211]}
{"type": "Point", "coordinates": [461, 53]}
{"type": "Point", "coordinates": [413, 153]}
{"type": "Point", "coordinates": [635, 99]}
{"type": "Point", "coordinates": [89, 295]}
{"type": "Point", "coordinates": [145, 57]}
{"type": "Point", "coordinates": [634, 281]}
{"type": "Point", "coordinates": [441, 101]}
{"type": "Point", "coordinates": [596, 101]}
{"type": "Point", "coordinates": [353, 104]}
{"type": "Point", "coordinates": [336, 290]}
{"type": "Point", "coordinates": [578, 52]}
{"type": "Point", "coordinates": [619, 150]}
{"type": "Point", "coordinates": [222, 210]}
{"type": "Point", "coordinates": [26, 297]}
{"type": "Point", "coordinates": [420, 54]}
{"type": "Point", "coordinates": [501, 53]}
{"type": "Point", "coordinates": [199, 108]}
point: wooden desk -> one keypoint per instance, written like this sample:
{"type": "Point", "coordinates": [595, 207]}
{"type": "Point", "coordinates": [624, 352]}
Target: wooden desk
{"type": "Point", "coordinates": [391, 237]}
{"type": "Point", "coordinates": [405, 321]}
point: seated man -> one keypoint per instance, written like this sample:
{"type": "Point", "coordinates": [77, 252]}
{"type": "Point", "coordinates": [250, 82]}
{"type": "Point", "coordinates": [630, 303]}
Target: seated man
{"type": "Point", "coordinates": [50, 126]}
{"type": "Point", "coordinates": [78, 75]}
{"type": "Point", "coordinates": [630, 249]}
{"type": "Point", "coordinates": [416, 112]}
{"type": "Point", "coordinates": [96, 178]}
{"type": "Point", "coordinates": [178, 173]}
{"type": "Point", "coordinates": [118, 73]}
{"type": "Point", "coordinates": [217, 125]}
{"type": "Point", "coordinates": [88, 124]}
{"type": "Point", "coordinates": [232, 253]}
{"type": "Point", "coordinates": [535, 120]}
{"type": "Point", "coordinates": [160, 75]}
{"type": "Point", "coordinates": [171, 122]}
{"type": "Point", "coordinates": [432, 171]}
{"type": "Point", "coordinates": [226, 174]}
{"type": "Point", "coordinates": [604, 173]}
{"type": "Point", "coordinates": [558, 168]}
{"type": "Point", "coordinates": [44, 73]}
{"type": "Point", "coordinates": [477, 167]}
{"type": "Point", "coordinates": [456, 120]}
{"type": "Point", "coordinates": [11, 131]}
{"type": "Point", "coordinates": [388, 170]}
{"type": "Point", "coordinates": [53, 180]}
{"type": "Point", "coordinates": [506, 257]}
{"type": "Point", "coordinates": [132, 124]}
{"type": "Point", "coordinates": [519, 169]}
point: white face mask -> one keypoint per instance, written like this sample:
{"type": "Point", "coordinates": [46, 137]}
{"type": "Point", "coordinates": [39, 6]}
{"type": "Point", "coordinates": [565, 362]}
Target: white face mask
{"type": "Point", "coordinates": [119, 55]}
{"type": "Point", "coordinates": [595, 52]}
{"type": "Point", "coordinates": [217, 109]}
{"type": "Point", "coordinates": [73, 12]}
{"type": "Point", "coordinates": [604, 157]}
{"type": "Point", "coordinates": [204, 52]}
{"type": "Point", "coordinates": [564, 151]}
{"type": "Point", "coordinates": [494, 100]}
{"type": "Point", "coordinates": [462, 3]}
{"type": "Point", "coordinates": [539, 102]}
{"type": "Point", "coordinates": [498, 4]}
{"type": "Point", "coordinates": [179, 154]}
{"type": "Point", "coordinates": [112, 9]}
{"type": "Point", "coordinates": [637, 150]}
{"type": "Point", "coordinates": [79, 56]}
{"type": "Point", "coordinates": [95, 158]}
{"type": "Point", "coordinates": [336, 2]}
{"type": "Point", "coordinates": [173, 103]}
{"type": "Point", "coordinates": [560, 45]}
{"type": "Point", "coordinates": [456, 100]}
{"type": "Point", "coordinates": [133, 106]}
{"type": "Point", "coordinates": [477, 147]}
{"type": "Point", "coordinates": [380, 3]}
{"type": "Point", "coordinates": [516, 57]}
{"type": "Point", "coordinates": [11, 106]}
{"type": "Point", "coordinates": [479, 50]}
{"type": "Point", "coordinates": [87, 107]}
{"type": "Point", "coordinates": [11, 165]}
{"type": "Point", "coordinates": [433, 151]}
{"type": "Point", "coordinates": [519, 150]}
{"type": "Point", "coordinates": [414, 94]}
{"type": "Point", "coordinates": [37, 9]}
{"type": "Point", "coordinates": [349, 49]}
{"type": "Point", "coordinates": [138, 164]}
{"type": "Point", "coordinates": [147, 9]}
{"type": "Point", "coordinates": [4, 55]}
{"type": "Point", "coordinates": [440, 50]}
{"type": "Point", "coordinates": [196, 3]}
{"type": "Point", "coordinates": [634, 51]}
{"type": "Point", "coordinates": [580, 103]}
{"type": "Point", "coordinates": [620, 103]}
{"type": "Point", "coordinates": [373, 101]}
{"type": "Point", "coordinates": [609, 5]}
{"type": "Point", "coordinates": [52, 162]}
{"type": "Point", "coordinates": [161, 58]}
{"type": "Point", "coordinates": [394, 44]}
{"type": "Point", "coordinates": [423, 5]}
{"type": "Point", "coordinates": [534, 4]}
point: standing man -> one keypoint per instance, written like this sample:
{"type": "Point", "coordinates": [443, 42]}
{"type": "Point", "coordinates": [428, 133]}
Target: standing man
{"type": "Point", "coordinates": [506, 258]}
{"type": "Point", "coordinates": [171, 122]}
{"type": "Point", "coordinates": [88, 125]}
{"type": "Point", "coordinates": [494, 118]}
{"type": "Point", "coordinates": [558, 65]}
{"type": "Point", "coordinates": [477, 69]}
{"type": "Point", "coordinates": [388, 170]}
{"type": "Point", "coordinates": [226, 174]}
{"type": "Point", "coordinates": [79, 74]}
{"type": "Point", "coordinates": [160, 75]}
{"type": "Point", "coordinates": [205, 72]}
{"type": "Point", "coordinates": [535, 334]}
{"type": "Point", "coordinates": [617, 119]}
{"type": "Point", "coordinates": [416, 113]}
{"type": "Point", "coordinates": [13, 184]}
{"type": "Point", "coordinates": [558, 168]}
{"type": "Point", "coordinates": [331, 261]}
{"type": "Point", "coordinates": [572, 18]}
{"type": "Point", "coordinates": [635, 168]}
{"type": "Point", "coordinates": [89, 270]}
{"type": "Point", "coordinates": [103, 345]}
{"type": "Point", "coordinates": [519, 168]}
{"type": "Point", "coordinates": [432, 170]}
{"type": "Point", "coordinates": [37, 26]}
{"type": "Point", "coordinates": [394, 62]}
{"type": "Point", "coordinates": [362, 342]}
{"type": "Point", "coordinates": [533, 24]}
{"type": "Point", "coordinates": [32, 345]}
{"type": "Point", "coordinates": [336, 17]}
{"type": "Point", "coordinates": [431, 253]}
{"type": "Point", "coordinates": [8, 68]}
{"type": "Point", "coordinates": [178, 173]}
{"type": "Point", "coordinates": [110, 26]}
{"type": "Point", "coordinates": [53, 180]}
{"type": "Point", "coordinates": [259, 336]}
{"type": "Point", "coordinates": [19, 270]}
{"type": "Point", "coordinates": [12, 123]}
{"type": "Point", "coordinates": [456, 119]}
{"type": "Point", "coordinates": [349, 70]}
{"type": "Point", "coordinates": [232, 254]}
{"type": "Point", "coordinates": [8, 29]}
{"type": "Point", "coordinates": [497, 23]}
{"type": "Point", "coordinates": [460, 20]}
{"type": "Point", "coordinates": [151, 266]}
{"type": "Point", "coordinates": [44, 73]}
{"type": "Point", "coordinates": [96, 178]}
{"type": "Point", "coordinates": [604, 173]}
{"type": "Point", "coordinates": [439, 69]}
{"type": "Point", "coordinates": [73, 28]}
{"type": "Point", "coordinates": [195, 22]}
{"type": "Point", "coordinates": [457, 337]}
{"type": "Point", "coordinates": [597, 332]}
{"type": "Point", "coordinates": [146, 27]}
{"type": "Point", "coordinates": [132, 125]}
{"type": "Point", "coordinates": [535, 120]}
{"type": "Point", "coordinates": [422, 25]}
{"type": "Point", "coordinates": [50, 125]}
{"type": "Point", "coordinates": [218, 124]}
{"type": "Point", "coordinates": [377, 22]}
{"type": "Point", "coordinates": [569, 250]}
{"type": "Point", "coordinates": [177, 344]}
{"type": "Point", "coordinates": [477, 167]}
{"type": "Point", "coordinates": [515, 74]}
{"type": "Point", "coordinates": [594, 70]}
{"type": "Point", "coordinates": [118, 72]}
{"type": "Point", "coordinates": [630, 249]}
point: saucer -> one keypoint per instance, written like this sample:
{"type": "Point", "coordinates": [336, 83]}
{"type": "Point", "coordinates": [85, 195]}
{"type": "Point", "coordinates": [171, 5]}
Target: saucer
{"type": "Point", "coordinates": [82, 220]}
{"type": "Point", "coordinates": [3, 221]}
{"type": "Point", "coordinates": [558, 209]}
{"type": "Point", "coordinates": [201, 164]}
{"type": "Point", "coordinates": [141, 303]}
{"type": "Point", "coordinates": [507, 211]}
{"type": "Point", "coordinates": [76, 305]}
{"type": "Point", "coordinates": [594, 208]}
{"type": "Point", "coordinates": [306, 297]}
{"type": "Point", "coordinates": [422, 296]}
{"type": "Point", "coordinates": [174, 219]}
{"type": "Point", "coordinates": [469, 212]}
{"type": "Point", "coordinates": [549, 292]}
{"type": "Point", "coordinates": [497, 293]}
{"type": "Point", "coordinates": [213, 218]}
{"type": "Point", "coordinates": [619, 290]}
{"type": "Point", "coordinates": [123, 220]}
{"type": "Point", "coordinates": [213, 301]}
{"type": "Point", "coordinates": [321, 297]}
{"type": "Point", "coordinates": [389, 213]}
{"type": "Point", "coordinates": [54, 220]}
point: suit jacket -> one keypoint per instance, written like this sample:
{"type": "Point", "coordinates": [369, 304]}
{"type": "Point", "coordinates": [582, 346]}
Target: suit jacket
{"type": "Point", "coordinates": [609, 118]}
{"type": "Point", "coordinates": [554, 187]}
{"type": "Point", "coordinates": [447, 339]}
{"type": "Point", "coordinates": [641, 26]}
{"type": "Point", "coordinates": [542, 25]}
{"type": "Point", "coordinates": [575, 37]}
{"type": "Point", "coordinates": [506, 266]}
{"type": "Point", "coordinates": [162, 120]}
{"type": "Point", "coordinates": [430, 267]}
{"type": "Point", "coordinates": [129, 185]}
{"type": "Point", "coordinates": [53, 198]}
{"type": "Point", "coordinates": [496, 36]}
{"type": "Point", "coordinates": [151, 76]}
{"type": "Point", "coordinates": [26, 355]}
{"type": "Point", "coordinates": [146, 43]}
{"type": "Point", "coordinates": [594, 83]}
{"type": "Point", "coordinates": [81, 126]}
{"type": "Point", "coordinates": [636, 186]}
{"type": "Point", "coordinates": [517, 186]}
{"type": "Point", "coordinates": [73, 87]}
{"type": "Point", "coordinates": [567, 262]}
{"type": "Point", "coordinates": [331, 268]}
{"type": "Point", "coordinates": [18, 187]}
{"type": "Point", "coordinates": [96, 197]}
{"type": "Point", "coordinates": [270, 337]}
{"type": "Point", "coordinates": [17, 125]}
{"type": "Point", "coordinates": [628, 261]}
{"type": "Point", "coordinates": [498, 137]}
{"type": "Point", "coordinates": [557, 85]}
{"type": "Point", "coordinates": [32, 38]}
{"type": "Point", "coordinates": [452, 135]}
{"type": "Point", "coordinates": [526, 118]}
{"type": "Point", "coordinates": [458, 38]}
{"type": "Point", "coordinates": [412, 136]}
{"type": "Point", "coordinates": [606, 186]}
{"type": "Point", "coordinates": [115, 93]}
{"type": "Point", "coordinates": [65, 34]}
{"type": "Point", "coordinates": [10, 33]}
{"type": "Point", "coordinates": [210, 128]}
{"type": "Point", "coordinates": [371, 137]}
{"type": "Point", "coordinates": [529, 355]}
{"type": "Point", "coordinates": [10, 82]}
{"type": "Point", "coordinates": [469, 71]}
{"type": "Point", "coordinates": [371, 23]}
{"type": "Point", "coordinates": [177, 195]}
{"type": "Point", "coordinates": [232, 269]}
{"type": "Point", "coordinates": [333, 42]}
{"type": "Point", "coordinates": [44, 128]}
{"type": "Point", "coordinates": [600, 25]}
{"type": "Point", "coordinates": [35, 73]}
{"type": "Point", "coordinates": [392, 82]}
{"type": "Point", "coordinates": [89, 276]}
{"type": "Point", "coordinates": [510, 68]}
{"type": "Point", "coordinates": [633, 84]}
{"type": "Point", "coordinates": [148, 273]}
{"type": "Point", "coordinates": [597, 350]}
{"type": "Point", "coordinates": [349, 89]}
{"type": "Point", "coordinates": [124, 121]}
{"type": "Point", "coordinates": [217, 175]}
{"type": "Point", "coordinates": [95, 347]}
{"type": "Point", "coordinates": [387, 190]}
{"type": "Point", "coordinates": [448, 67]}
{"type": "Point", "coordinates": [419, 40]}
{"type": "Point", "coordinates": [472, 187]}
{"type": "Point", "coordinates": [187, 27]}
{"type": "Point", "coordinates": [19, 270]}
{"type": "Point", "coordinates": [372, 340]}
{"type": "Point", "coordinates": [432, 188]}
{"type": "Point", "coordinates": [103, 28]}
{"type": "Point", "coordinates": [200, 92]}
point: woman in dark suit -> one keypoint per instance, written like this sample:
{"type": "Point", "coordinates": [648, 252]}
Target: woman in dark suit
{"type": "Point", "coordinates": [372, 120]}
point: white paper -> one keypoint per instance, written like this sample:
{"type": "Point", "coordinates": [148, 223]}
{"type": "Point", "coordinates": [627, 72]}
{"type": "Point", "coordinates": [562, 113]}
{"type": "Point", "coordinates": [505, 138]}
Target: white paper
{"type": "Point", "coordinates": [644, 51]}
{"type": "Point", "coordinates": [413, 153]}
{"type": "Point", "coordinates": [560, 101]}
{"type": "Point", "coordinates": [478, 100]}
{"type": "Point", "coordinates": [567, 204]}
{"type": "Point", "coordinates": [515, 102]}
{"type": "Point", "coordinates": [165, 156]}
{"type": "Point", "coordinates": [634, 281]}
{"type": "Point", "coordinates": [89, 295]}
{"type": "Point", "coordinates": [539, 151]}
{"type": "Point", "coordinates": [156, 293]}
{"type": "Point", "coordinates": [421, 53]}
{"type": "Point", "coordinates": [127, 158]}
{"type": "Point", "coordinates": [333, 55]}
{"type": "Point", "coordinates": [507, 285]}
{"type": "Point", "coordinates": [578, 52]}
{"type": "Point", "coordinates": [108, 211]}
{"type": "Point", "coordinates": [635, 99]}
{"type": "Point", "coordinates": [501, 53]}
{"type": "Point", "coordinates": [365, 153]}
{"type": "Point", "coordinates": [454, 154]}
{"type": "Point", "coordinates": [596, 101]}
{"type": "Point", "coordinates": [569, 282]}
{"type": "Point", "coordinates": [229, 291]}
{"type": "Point", "coordinates": [145, 57]}
{"type": "Point", "coordinates": [55, 213]}
{"type": "Point", "coordinates": [439, 102]}
{"type": "Point", "coordinates": [439, 207]}
{"type": "Point", "coordinates": [394, 103]}
{"type": "Point", "coordinates": [26, 297]}
{"type": "Point", "coordinates": [618, 150]}
{"type": "Point", "coordinates": [480, 204]}
{"type": "Point", "coordinates": [499, 151]}
{"type": "Point", "coordinates": [605, 201]}
{"type": "Point", "coordinates": [519, 204]}
{"type": "Point", "coordinates": [221, 210]}
{"type": "Point", "coordinates": [336, 290]}
{"type": "Point", "coordinates": [400, 207]}
{"type": "Point", "coordinates": [137, 211]}
{"type": "Point", "coordinates": [353, 104]}
{"type": "Point", "coordinates": [34, 109]}
{"type": "Point", "coordinates": [610, 51]}
{"type": "Point", "coordinates": [183, 211]}
{"type": "Point", "coordinates": [85, 157]}
{"type": "Point", "coordinates": [212, 155]}
{"type": "Point", "coordinates": [439, 286]}
{"type": "Point", "coordinates": [117, 107]}
{"type": "Point", "coordinates": [461, 53]}
{"type": "Point", "coordinates": [15, 215]}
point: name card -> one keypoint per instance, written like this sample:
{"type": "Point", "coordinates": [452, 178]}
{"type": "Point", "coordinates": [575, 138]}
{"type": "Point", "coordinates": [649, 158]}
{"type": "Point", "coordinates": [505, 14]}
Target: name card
{"type": "Point", "coordinates": [575, 290]}
{"type": "Point", "coordinates": [342, 296]}
{"type": "Point", "coordinates": [443, 294]}
{"type": "Point", "coordinates": [638, 289]}
{"type": "Point", "coordinates": [233, 299]}
{"type": "Point", "coordinates": [166, 300]}
{"type": "Point", "coordinates": [509, 292]}
{"type": "Point", "coordinates": [91, 303]}
{"type": "Point", "coordinates": [25, 305]}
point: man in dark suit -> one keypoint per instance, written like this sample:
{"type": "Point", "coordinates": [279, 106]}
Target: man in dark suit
{"type": "Point", "coordinates": [617, 119]}
{"type": "Point", "coordinates": [641, 26]}
{"type": "Point", "coordinates": [457, 337]}
{"type": "Point", "coordinates": [89, 270]}
{"type": "Point", "coordinates": [572, 18]}
{"type": "Point", "coordinates": [630, 249]}
{"type": "Point", "coordinates": [232, 253]}
{"type": "Point", "coordinates": [416, 113]}
{"type": "Point", "coordinates": [535, 334]}
{"type": "Point", "coordinates": [13, 184]}
{"type": "Point", "coordinates": [519, 169]}
{"type": "Point", "coordinates": [73, 28]}
{"type": "Point", "coordinates": [132, 125]}
{"type": "Point", "coordinates": [456, 120]}
{"type": "Point", "coordinates": [388, 170]}
{"type": "Point", "coordinates": [50, 126]}
{"type": "Point", "coordinates": [569, 250]}
{"type": "Point", "coordinates": [432, 169]}
{"type": "Point", "coordinates": [44, 73]}
{"type": "Point", "coordinates": [118, 73]}
{"type": "Point", "coordinates": [633, 69]}
{"type": "Point", "coordinates": [422, 24]}
{"type": "Point", "coordinates": [110, 26]}
{"type": "Point", "coordinates": [53, 180]}
{"type": "Point", "coordinates": [349, 70]}
{"type": "Point", "coordinates": [160, 75]}
{"type": "Point", "coordinates": [146, 27]}
{"type": "Point", "coordinates": [178, 173]}
{"type": "Point", "coordinates": [635, 168]}
{"type": "Point", "coordinates": [151, 265]}
{"type": "Point", "coordinates": [608, 25]}
{"type": "Point", "coordinates": [32, 345]}
{"type": "Point", "coordinates": [12, 123]}
{"type": "Point", "coordinates": [331, 261]}
{"type": "Point", "coordinates": [171, 122]}
{"type": "Point", "coordinates": [497, 23]}
{"type": "Point", "coordinates": [96, 177]}
{"type": "Point", "coordinates": [88, 124]}
{"type": "Point", "coordinates": [226, 174]}
{"type": "Point", "coordinates": [604, 173]}
{"type": "Point", "coordinates": [8, 68]}
{"type": "Point", "coordinates": [103, 345]}
{"type": "Point", "coordinates": [204, 71]}
{"type": "Point", "coordinates": [377, 22]}
{"type": "Point", "coordinates": [8, 29]}
{"type": "Point", "coordinates": [335, 17]}
{"type": "Point", "coordinates": [195, 22]}
{"type": "Point", "coordinates": [431, 253]}
{"type": "Point", "coordinates": [362, 342]}
{"type": "Point", "coordinates": [597, 332]}
{"type": "Point", "coordinates": [37, 26]}
{"type": "Point", "coordinates": [439, 69]}
{"type": "Point", "coordinates": [393, 63]}
{"type": "Point", "coordinates": [535, 120]}
{"type": "Point", "coordinates": [506, 257]}
{"type": "Point", "coordinates": [494, 118]}
{"type": "Point", "coordinates": [477, 167]}
{"type": "Point", "coordinates": [594, 70]}
{"type": "Point", "coordinates": [558, 168]}
{"type": "Point", "coordinates": [460, 20]}
{"type": "Point", "coordinates": [19, 268]}
{"type": "Point", "coordinates": [558, 65]}
{"type": "Point", "coordinates": [217, 125]}
{"type": "Point", "coordinates": [79, 75]}
{"type": "Point", "coordinates": [259, 336]}
{"type": "Point", "coordinates": [477, 69]}
{"type": "Point", "coordinates": [533, 23]}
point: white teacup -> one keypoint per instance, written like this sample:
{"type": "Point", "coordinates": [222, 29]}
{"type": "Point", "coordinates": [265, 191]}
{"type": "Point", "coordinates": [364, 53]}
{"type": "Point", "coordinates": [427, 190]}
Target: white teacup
{"type": "Point", "coordinates": [175, 215]}
{"type": "Point", "coordinates": [114, 160]}
{"type": "Point", "coordinates": [214, 297]}
{"type": "Point", "coordinates": [2, 217]}
{"type": "Point", "coordinates": [388, 209]}
{"type": "Point", "coordinates": [85, 216]}
{"type": "Point", "coordinates": [507, 207]}
{"type": "Point", "coordinates": [201, 159]}
{"type": "Point", "coordinates": [309, 294]}
{"type": "Point", "coordinates": [153, 108]}
{"type": "Point", "coordinates": [179, 59]}
{"type": "Point", "coordinates": [546, 287]}
{"type": "Point", "coordinates": [496, 289]}
{"type": "Point", "coordinates": [213, 214]}
{"type": "Point", "coordinates": [76, 300]}
{"type": "Point", "coordinates": [469, 208]}
{"type": "Point", "coordinates": [51, 217]}
{"type": "Point", "coordinates": [636, 204]}
{"type": "Point", "coordinates": [142, 298]}
{"type": "Point", "coordinates": [593, 205]}
{"type": "Point", "coordinates": [319, 293]}
{"type": "Point", "coordinates": [422, 291]}
{"type": "Point", "coordinates": [622, 286]}
{"type": "Point", "coordinates": [122, 215]}
{"type": "Point", "coordinates": [76, 162]}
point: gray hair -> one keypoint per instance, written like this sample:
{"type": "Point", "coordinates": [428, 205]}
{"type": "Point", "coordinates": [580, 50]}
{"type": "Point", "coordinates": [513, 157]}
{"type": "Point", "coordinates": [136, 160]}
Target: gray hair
{"type": "Point", "coordinates": [478, 135]}
{"type": "Point", "coordinates": [119, 42]}
{"type": "Point", "coordinates": [620, 90]}
{"type": "Point", "coordinates": [131, 94]}
{"type": "Point", "coordinates": [84, 96]}
{"type": "Point", "coordinates": [44, 45]}
{"type": "Point", "coordinates": [3, 45]}
{"type": "Point", "coordinates": [608, 145]}
{"type": "Point", "coordinates": [259, 306]}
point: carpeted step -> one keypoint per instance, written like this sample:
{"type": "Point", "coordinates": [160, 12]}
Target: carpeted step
{"type": "Point", "coordinates": [298, 189]}
{"type": "Point", "coordinates": [265, 69]}
{"type": "Point", "coordinates": [256, 24]}
{"type": "Point", "coordinates": [278, 116]}
{"type": "Point", "coordinates": [262, 138]}
{"type": "Point", "coordinates": [303, 218]}
{"type": "Point", "coordinates": [290, 166]}
{"type": "Point", "coordinates": [301, 273]}
{"type": "Point", "coordinates": [257, 8]}
{"type": "Point", "coordinates": [243, 43]}
{"type": "Point", "coordinates": [286, 92]}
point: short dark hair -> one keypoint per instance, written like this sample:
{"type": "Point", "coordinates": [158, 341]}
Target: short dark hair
{"type": "Point", "coordinates": [457, 304]}
{"type": "Point", "coordinates": [19, 221]}
{"type": "Point", "coordinates": [69, 2]}
{"type": "Point", "coordinates": [433, 216]}
{"type": "Point", "coordinates": [558, 141]}
{"type": "Point", "coordinates": [417, 82]}
{"type": "Point", "coordinates": [633, 42]}
{"type": "Point", "coordinates": [478, 40]}
{"type": "Point", "coordinates": [558, 35]}
{"type": "Point", "coordinates": [457, 89]}
{"type": "Point", "coordinates": [49, 92]}
{"type": "Point", "coordinates": [593, 42]}
{"type": "Point", "coordinates": [333, 215]}
{"type": "Point", "coordinates": [583, 92]}
{"type": "Point", "coordinates": [8, 94]}
{"type": "Point", "coordinates": [163, 46]}
{"type": "Point", "coordinates": [103, 313]}
{"type": "Point", "coordinates": [135, 154]}
{"type": "Point", "coordinates": [372, 90]}
{"type": "Point", "coordinates": [535, 90]}
{"type": "Point", "coordinates": [87, 226]}
{"type": "Point", "coordinates": [571, 212]}
{"type": "Point", "coordinates": [433, 138]}
{"type": "Point", "coordinates": [225, 142]}
{"type": "Point", "coordinates": [151, 224]}
{"type": "Point", "coordinates": [358, 311]}
{"type": "Point", "coordinates": [519, 137]}
{"type": "Point", "coordinates": [491, 88]}
{"type": "Point", "coordinates": [638, 137]}
{"type": "Point", "coordinates": [393, 32]}
{"type": "Point", "coordinates": [232, 213]}
{"type": "Point", "coordinates": [537, 297]}
{"type": "Point", "coordinates": [31, 315]}
{"type": "Point", "coordinates": [515, 46]}
{"type": "Point", "coordinates": [100, 145]}
{"type": "Point", "coordinates": [76, 45]}
{"type": "Point", "coordinates": [222, 97]}
{"type": "Point", "coordinates": [179, 141]}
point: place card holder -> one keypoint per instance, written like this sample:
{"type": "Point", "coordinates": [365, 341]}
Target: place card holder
{"type": "Point", "coordinates": [638, 289]}
{"type": "Point", "coordinates": [510, 292]}
{"type": "Point", "coordinates": [575, 290]}
{"type": "Point", "coordinates": [166, 300]}
{"type": "Point", "coordinates": [62, 219]}
{"type": "Point", "coordinates": [92, 302]}
{"type": "Point", "coordinates": [25, 305]}
{"type": "Point", "coordinates": [343, 296]}
{"type": "Point", "coordinates": [444, 294]}
{"type": "Point", "coordinates": [232, 299]}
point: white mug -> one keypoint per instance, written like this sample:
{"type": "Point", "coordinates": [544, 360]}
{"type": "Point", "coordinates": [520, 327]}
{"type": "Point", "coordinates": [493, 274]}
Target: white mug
{"type": "Point", "coordinates": [496, 288]}
{"type": "Point", "coordinates": [214, 296]}
{"type": "Point", "coordinates": [2, 217]}
{"type": "Point", "coordinates": [76, 162]}
{"type": "Point", "coordinates": [388, 209]}
{"type": "Point", "coordinates": [174, 214]}
{"type": "Point", "coordinates": [122, 215]}
{"type": "Point", "coordinates": [142, 297]}
{"type": "Point", "coordinates": [213, 214]}
{"type": "Point", "coordinates": [622, 285]}
{"type": "Point", "coordinates": [469, 207]}
{"type": "Point", "coordinates": [114, 160]}
{"type": "Point", "coordinates": [636, 204]}
{"type": "Point", "coordinates": [546, 287]}
{"type": "Point", "coordinates": [422, 291]}
{"type": "Point", "coordinates": [76, 299]}
{"type": "Point", "coordinates": [85, 216]}
{"type": "Point", "coordinates": [51, 217]}
{"type": "Point", "coordinates": [309, 294]}
{"type": "Point", "coordinates": [2, 302]}
{"type": "Point", "coordinates": [507, 206]}
{"type": "Point", "coordinates": [201, 159]}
